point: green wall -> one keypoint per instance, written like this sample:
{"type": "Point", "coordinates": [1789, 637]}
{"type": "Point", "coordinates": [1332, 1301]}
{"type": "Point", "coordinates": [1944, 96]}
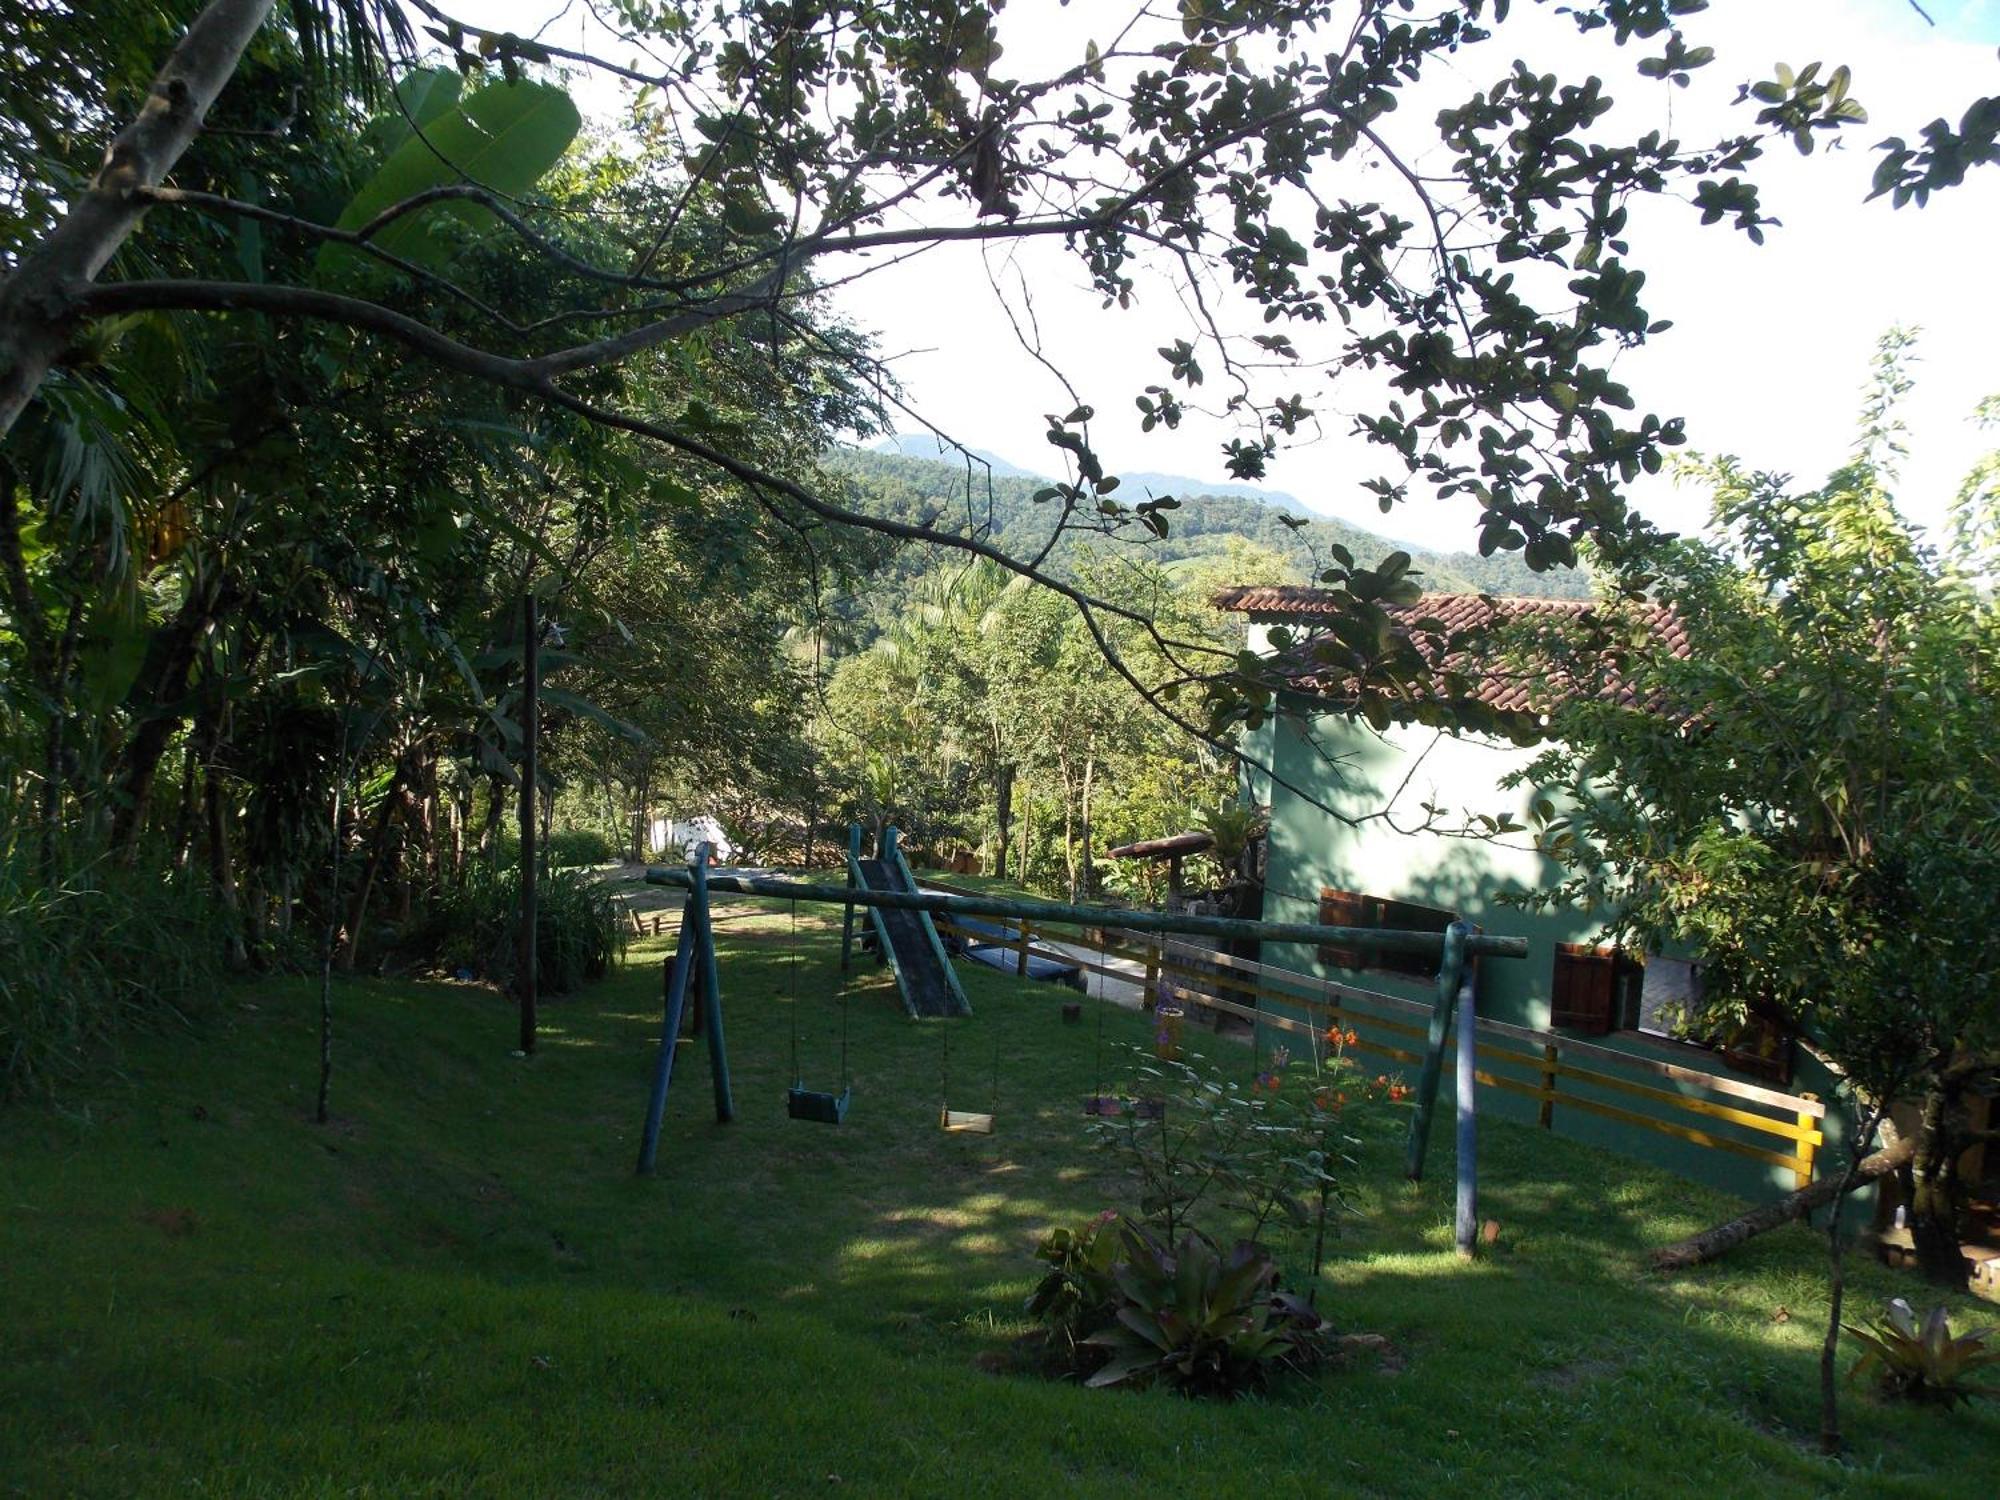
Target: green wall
{"type": "Point", "coordinates": [1380, 846]}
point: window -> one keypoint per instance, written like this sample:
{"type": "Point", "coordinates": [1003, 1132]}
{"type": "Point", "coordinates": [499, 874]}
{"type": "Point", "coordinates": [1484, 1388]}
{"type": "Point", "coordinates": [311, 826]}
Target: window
{"type": "Point", "coordinates": [1668, 990]}
{"type": "Point", "coordinates": [1352, 909]}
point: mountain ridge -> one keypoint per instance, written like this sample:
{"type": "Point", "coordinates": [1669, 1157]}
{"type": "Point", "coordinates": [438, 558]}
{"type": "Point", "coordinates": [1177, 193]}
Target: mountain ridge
{"type": "Point", "coordinates": [929, 448]}
{"type": "Point", "coordinates": [1002, 508]}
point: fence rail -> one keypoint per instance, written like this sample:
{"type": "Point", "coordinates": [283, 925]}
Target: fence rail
{"type": "Point", "coordinates": [1557, 1071]}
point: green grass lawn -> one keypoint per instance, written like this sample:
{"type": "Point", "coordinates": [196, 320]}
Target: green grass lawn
{"type": "Point", "coordinates": [460, 1287]}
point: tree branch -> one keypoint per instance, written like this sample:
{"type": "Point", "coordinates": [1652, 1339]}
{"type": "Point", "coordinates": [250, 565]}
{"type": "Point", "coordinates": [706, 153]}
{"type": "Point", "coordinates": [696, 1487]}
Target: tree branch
{"type": "Point", "coordinates": [34, 323]}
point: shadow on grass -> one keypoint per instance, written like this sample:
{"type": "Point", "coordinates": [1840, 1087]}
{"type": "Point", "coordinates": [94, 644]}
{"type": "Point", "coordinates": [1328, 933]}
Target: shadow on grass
{"type": "Point", "coordinates": [463, 1192]}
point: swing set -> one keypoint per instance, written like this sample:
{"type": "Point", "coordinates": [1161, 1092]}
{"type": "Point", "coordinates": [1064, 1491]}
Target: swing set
{"type": "Point", "coordinates": [692, 973]}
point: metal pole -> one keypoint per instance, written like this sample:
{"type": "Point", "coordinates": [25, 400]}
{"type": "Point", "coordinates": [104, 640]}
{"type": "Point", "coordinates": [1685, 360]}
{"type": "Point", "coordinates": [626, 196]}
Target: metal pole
{"type": "Point", "coordinates": [1451, 971]}
{"type": "Point", "coordinates": [1374, 939]}
{"type": "Point", "coordinates": [526, 961]}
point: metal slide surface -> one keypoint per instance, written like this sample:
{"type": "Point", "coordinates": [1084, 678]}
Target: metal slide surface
{"type": "Point", "coordinates": [927, 986]}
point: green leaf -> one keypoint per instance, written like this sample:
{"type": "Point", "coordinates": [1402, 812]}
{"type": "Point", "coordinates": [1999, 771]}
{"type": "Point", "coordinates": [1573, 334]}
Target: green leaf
{"type": "Point", "coordinates": [421, 98]}
{"type": "Point", "coordinates": [505, 136]}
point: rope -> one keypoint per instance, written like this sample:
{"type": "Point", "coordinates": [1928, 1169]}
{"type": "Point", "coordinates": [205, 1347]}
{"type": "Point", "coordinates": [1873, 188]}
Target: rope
{"type": "Point", "coordinates": [792, 991]}
{"type": "Point", "coordinates": [1097, 1061]}
{"type": "Point", "coordinates": [845, 1080]}
{"type": "Point", "coordinates": [944, 1069]}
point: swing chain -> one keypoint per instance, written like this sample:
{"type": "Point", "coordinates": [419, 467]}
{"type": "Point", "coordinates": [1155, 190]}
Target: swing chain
{"type": "Point", "coordinates": [792, 992]}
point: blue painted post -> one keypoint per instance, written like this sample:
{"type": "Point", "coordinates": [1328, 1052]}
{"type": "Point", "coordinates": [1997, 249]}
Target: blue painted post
{"type": "Point", "coordinates": [1467, 1223]}
{"type": "Point", "coordinates": [1451, 970]}
{"type": "Point", "coordinates": [847, 912]}
{"type": "Point", "coordinates": [677, 970]}
{"type": "Point", "coordinates": [711, 990]}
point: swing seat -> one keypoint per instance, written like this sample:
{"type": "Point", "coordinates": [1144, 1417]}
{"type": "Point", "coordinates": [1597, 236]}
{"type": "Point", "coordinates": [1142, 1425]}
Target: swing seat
{"type": "Point", "coordinates": [817, 1105]}
{"type": "Point", "coordinates": [965, 1122]}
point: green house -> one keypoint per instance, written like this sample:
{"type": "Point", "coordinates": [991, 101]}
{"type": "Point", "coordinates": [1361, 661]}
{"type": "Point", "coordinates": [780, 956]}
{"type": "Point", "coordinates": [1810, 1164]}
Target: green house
{"type": "Point", "coordinates": [1367, 828]}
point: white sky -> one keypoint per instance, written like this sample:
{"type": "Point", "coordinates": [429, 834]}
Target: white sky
{"type": "Point", "coordinates": [1770, 344]}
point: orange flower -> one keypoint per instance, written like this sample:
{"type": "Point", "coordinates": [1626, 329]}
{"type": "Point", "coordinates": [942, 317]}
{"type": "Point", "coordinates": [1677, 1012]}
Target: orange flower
{"type": "Point", "coordinates": [1353, 1037]}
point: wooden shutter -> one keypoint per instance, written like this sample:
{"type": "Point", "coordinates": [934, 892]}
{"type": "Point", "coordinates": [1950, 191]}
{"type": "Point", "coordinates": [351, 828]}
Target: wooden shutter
{"type": "Point", "coordinates": [1343, 909]}
{"type": "Point", "coordinates": [1582, 993]}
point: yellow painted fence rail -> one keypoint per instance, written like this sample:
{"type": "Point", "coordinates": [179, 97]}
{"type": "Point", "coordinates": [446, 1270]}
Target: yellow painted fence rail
{"type": "Point", "coordinates": [1558, 1072]}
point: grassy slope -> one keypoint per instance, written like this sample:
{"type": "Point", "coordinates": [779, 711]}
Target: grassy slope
{"type": "Point", "coordinates": [460, 1287]}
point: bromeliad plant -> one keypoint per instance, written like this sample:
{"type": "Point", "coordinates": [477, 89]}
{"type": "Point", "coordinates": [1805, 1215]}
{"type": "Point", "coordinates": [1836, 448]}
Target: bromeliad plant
{"type": "Point", "coordinates": [1151, 1298]}
{"type": "Point", "coordinates": [1201, 1321]}
{"type": "Point", "coordinates": [1077, 1295]}
{"type": "Point", "coordinates": [1923, 1363]}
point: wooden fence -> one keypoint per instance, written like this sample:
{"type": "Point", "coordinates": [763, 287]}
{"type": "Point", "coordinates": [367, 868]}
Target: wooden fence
{"type": "Point", "coordinates": [1557, 1071]}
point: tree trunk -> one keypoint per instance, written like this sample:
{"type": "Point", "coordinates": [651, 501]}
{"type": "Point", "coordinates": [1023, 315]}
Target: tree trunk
{"type": "Point", "coordinates": [1003, 815]}
{"type": "Point", "coordinates": [221, 869]}
{"type": "Point", "coordinates": [1069, 825]}
{"type": "Point", "coordinates": [409, 861]}
{"type": "Point", "coordinates": [172, 659]}
{"type": "Point", "coordinates": [1931, 1188]}
{"type": "Point", "coordinates": [35, 301]}
{"type": "Point", "coordinates": [1700, 1248]}
{"type": "Point", "coordinates": [642, 843]}
{"type": "Point", "coordinates": [1829, 1351]}
{"type": "Point", "coordinates": [489, 828]}
{"type": "Point", "coordinates": [1089, 861]}
{"type": "Point", "coordinates": [378, 842]}
{"type": "Point", "coordinates": [1027, 829]}
{"type": "Point", "coordinates": [183, 837]}
{"type": "Point", "coordinates": [458, 812]}
{"type": "Point", "coordinates": [54, 771]}
{"type": "Point", "coordinates": [527, 961]}
{"type": "Point", "coordinates": [434, 863]}
{"type": "Point", "coordinates": [329, 928]}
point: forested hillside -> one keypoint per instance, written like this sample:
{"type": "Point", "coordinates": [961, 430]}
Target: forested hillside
{"type": "Point", "coordinates": [972, 499]}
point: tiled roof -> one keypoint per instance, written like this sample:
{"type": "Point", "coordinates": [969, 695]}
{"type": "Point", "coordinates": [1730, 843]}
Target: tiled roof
{"type": "Point", "coordinates": [1437, 625]}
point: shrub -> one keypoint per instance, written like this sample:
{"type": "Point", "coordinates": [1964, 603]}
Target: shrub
{"type": "Point", "coordinates": [1922, 1364]}
{"type": "Point", "coordinates": [573, 847]}
{"type": "Point", "coordinates": [90, 953]}
{"type": "Point", "coordinates": [1212, 1150]}
{"type": "Point", "coordinates": [579, 930]}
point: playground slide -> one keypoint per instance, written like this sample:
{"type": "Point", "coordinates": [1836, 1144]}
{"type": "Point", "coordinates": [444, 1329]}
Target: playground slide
{"type": "Point", "coordinates": [916, 955]}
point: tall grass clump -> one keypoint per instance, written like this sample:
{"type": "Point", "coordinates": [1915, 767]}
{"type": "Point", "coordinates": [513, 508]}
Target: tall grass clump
{"type": "Point", "coordinates": [579, 932]}
{"type": "Point", "coordinates": [90, 951]}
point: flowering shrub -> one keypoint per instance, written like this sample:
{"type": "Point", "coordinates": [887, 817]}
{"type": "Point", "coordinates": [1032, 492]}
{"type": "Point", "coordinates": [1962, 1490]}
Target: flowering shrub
{"type": "Point", "coordinates": [1229, 1159]}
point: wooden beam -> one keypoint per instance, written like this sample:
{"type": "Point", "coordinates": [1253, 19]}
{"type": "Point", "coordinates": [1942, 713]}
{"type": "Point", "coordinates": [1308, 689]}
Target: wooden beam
{"type": "Point", "coordinates": [1385, 940]}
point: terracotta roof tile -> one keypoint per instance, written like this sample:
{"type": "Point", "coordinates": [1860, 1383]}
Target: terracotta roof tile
{"type": "Point", "coordinates": [1565, 676]}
